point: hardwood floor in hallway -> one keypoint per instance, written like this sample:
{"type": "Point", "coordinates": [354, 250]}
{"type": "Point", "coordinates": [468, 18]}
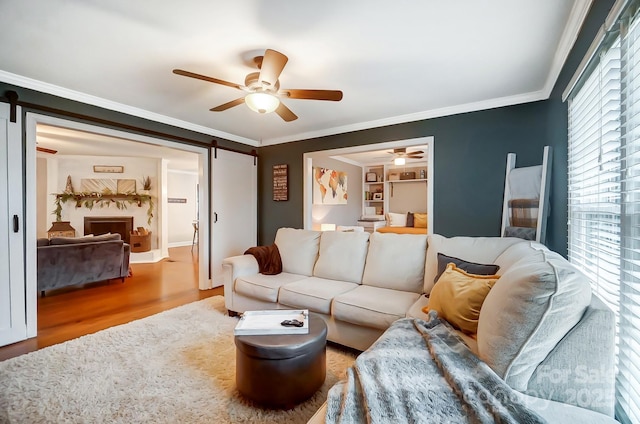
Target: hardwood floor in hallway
{"type": "Point", "coordinates": [71, 312]}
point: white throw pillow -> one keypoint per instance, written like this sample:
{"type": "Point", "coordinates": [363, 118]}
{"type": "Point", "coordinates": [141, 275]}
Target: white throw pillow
{"type": "Point", "coordinates": [397, 219]}
{"type": "Point", "coordinates": [298, 250]}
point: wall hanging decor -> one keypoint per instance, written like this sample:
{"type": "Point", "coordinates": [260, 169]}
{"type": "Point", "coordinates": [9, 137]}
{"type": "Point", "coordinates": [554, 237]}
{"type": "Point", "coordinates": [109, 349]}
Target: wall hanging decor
{"type": "Point", "coordinates": [329, 187]}
{"type": "Point", "coordinates": [109, 169]}
{"type": "Point", "coordinates": [280, 182]}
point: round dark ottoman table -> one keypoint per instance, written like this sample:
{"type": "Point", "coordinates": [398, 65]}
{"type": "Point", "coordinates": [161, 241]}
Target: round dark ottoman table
{"type": "Point", "coordinates": [280, 371]}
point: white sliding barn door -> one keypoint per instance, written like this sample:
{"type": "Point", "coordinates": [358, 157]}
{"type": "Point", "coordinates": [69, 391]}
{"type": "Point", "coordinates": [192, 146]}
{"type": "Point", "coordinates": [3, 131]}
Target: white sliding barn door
{"type": "Point", "coordinates": [13, 320]}
{"type": "Point", "coordinates": [234, 207]}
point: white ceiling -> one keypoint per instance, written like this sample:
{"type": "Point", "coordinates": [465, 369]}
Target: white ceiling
{"type": "Point", "coordinates": [384, 156]}
{"type": "Point", "coordinates": [395, 61]}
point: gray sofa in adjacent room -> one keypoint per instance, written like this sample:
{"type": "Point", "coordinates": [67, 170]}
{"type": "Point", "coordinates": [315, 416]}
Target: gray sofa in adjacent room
{"type": "Point", "coordinates": [67, 261]}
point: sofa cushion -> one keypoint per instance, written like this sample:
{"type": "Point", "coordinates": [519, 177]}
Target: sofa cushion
{"type": "Point", "coordinates": [537, 300]}
{"type": "Point", "coordinates": [298, 250]}
{"type": "Point", "coordinates": [264, 287]}
{"type": "Point", "coordinates": [86, 239]}
{"type": "Point", "coordinates": [43, 241]}
{"type": "Point", "coordinates": [458, 297]}
{"type": "Point", "coordinates": [373, 307]}
{"type": "Point", "coordinates": [482, 250]}
{"type": "Point", "coordinates": [342, 256]}
{"type": "Point", "coordinates": [396, 261]}
{"type": "Point", "coordinates": [313, 293]}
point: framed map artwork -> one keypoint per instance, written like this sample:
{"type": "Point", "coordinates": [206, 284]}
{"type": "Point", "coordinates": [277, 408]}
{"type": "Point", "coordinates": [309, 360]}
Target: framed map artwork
{"type": "Point", "coordinates": [329, 187]}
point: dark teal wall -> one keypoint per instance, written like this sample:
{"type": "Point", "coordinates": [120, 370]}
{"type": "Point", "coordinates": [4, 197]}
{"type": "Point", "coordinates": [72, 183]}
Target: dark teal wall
{"type": "Point", "coordinates": [470, 158]}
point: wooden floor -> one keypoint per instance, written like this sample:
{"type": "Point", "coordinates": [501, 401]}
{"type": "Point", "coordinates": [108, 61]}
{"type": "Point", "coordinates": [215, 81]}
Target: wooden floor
{"type": "Point", "coordinates": [72, 312]}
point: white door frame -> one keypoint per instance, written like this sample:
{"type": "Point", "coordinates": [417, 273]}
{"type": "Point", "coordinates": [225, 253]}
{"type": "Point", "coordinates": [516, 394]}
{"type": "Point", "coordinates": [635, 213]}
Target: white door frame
{"type": "Point", "coordinates": [13, 324]}
{"type": "Point", "coordinates": [307, 173]}
{"type": "Point", "coordinates": [33, 119]}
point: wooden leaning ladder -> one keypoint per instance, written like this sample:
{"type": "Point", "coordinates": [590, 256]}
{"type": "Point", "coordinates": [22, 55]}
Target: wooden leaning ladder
{"type": "Point", "coordinates": [526, 199]}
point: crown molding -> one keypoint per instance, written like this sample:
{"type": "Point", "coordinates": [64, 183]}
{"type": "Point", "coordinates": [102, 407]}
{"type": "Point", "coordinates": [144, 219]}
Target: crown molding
{"type": "Point", "coordinates": [56, 90]}
{"type": "Point", "coordinates": [569, 36]}
{"type": "Point", "coordinates": [418, 116]}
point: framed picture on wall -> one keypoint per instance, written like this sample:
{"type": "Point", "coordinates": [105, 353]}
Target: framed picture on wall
{"type": "Point", "coordinates": [371, 177]}
{"type": "Point", "coordinates": [109, 169]}
{"type": "Point", "coordinates": [280, 182]}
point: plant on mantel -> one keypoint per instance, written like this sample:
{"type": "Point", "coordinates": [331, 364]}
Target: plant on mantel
{"type": "Point", "coordinates": [89, 200]}
{"type": "Point", "coordinates": [146, 183]}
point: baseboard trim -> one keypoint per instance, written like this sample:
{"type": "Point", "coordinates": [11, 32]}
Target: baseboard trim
{"type": "Point", "coordinates": [179, 244]}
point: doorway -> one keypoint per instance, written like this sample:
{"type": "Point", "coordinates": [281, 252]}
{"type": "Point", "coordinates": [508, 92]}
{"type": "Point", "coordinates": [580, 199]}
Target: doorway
{"type": "Point", "coordinates": [361, 158]}
{"type": "Point", "coordinates": [33, 230]}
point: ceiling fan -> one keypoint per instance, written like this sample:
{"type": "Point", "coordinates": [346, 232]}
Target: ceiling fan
{"type": "Point", "coordinates": [401, 155]}
{"type": "Point", "coordinates": [263, 88]}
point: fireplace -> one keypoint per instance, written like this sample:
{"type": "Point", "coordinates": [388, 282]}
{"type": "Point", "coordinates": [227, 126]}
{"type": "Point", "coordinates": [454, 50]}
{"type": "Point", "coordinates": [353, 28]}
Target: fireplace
{"type": "Point", "coordinates": [97, 225]}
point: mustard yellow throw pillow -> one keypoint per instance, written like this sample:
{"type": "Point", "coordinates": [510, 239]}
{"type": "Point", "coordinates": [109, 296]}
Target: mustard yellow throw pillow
{"type": "Point", "coordinates": [458, 296]}
{"type": "Point", "coordinates": [420, 220]}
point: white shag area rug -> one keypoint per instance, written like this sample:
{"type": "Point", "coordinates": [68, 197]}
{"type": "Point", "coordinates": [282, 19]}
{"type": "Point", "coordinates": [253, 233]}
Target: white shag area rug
{"type": "Point", "coordinates": [174, 367]}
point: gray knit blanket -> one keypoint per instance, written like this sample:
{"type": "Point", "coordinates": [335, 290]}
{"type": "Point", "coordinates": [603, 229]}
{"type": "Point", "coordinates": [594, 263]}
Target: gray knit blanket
{"type": "Point", "coordinates": [421, 372]}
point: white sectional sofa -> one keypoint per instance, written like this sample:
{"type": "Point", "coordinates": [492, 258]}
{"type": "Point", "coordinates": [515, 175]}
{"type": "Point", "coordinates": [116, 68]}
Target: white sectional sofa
{"type": "Point", "coordinates": [539, 329]}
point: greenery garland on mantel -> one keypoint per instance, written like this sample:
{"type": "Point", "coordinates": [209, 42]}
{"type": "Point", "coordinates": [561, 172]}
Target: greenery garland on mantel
{"type": "Point", "coordinates": [89, 200]}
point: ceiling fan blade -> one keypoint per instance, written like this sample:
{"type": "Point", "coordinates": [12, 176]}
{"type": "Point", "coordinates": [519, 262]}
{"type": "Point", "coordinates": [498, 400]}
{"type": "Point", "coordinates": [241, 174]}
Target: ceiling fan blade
{"type": "Point", "coordinates": [228, 105]}
{"type": "Point", "coordinates": [417, 152]}
{"type": "Point", "coordinates": [332, 95]}
{"type": "Point", "coordinates": [272, 65]}
{"type": "Point", "coordinates": [45, 150]}
{"type": "Point", "coordinates": [206, 78]}
{"type": "Point", "coordinates": [285, 113]}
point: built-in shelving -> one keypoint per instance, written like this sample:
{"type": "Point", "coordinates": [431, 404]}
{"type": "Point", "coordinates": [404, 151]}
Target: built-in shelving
{"type": "Point", "coordinates": [386, 176]}
{"type": "Point", "coordinates": [374, 188]}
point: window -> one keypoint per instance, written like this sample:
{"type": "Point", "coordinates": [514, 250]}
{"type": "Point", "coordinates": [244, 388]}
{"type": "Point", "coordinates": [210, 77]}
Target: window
{"type": "Point", "coordinates": [604, 192]}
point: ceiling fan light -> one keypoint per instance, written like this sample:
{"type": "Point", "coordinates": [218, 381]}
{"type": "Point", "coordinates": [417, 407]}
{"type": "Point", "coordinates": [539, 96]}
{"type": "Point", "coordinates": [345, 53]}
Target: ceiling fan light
{"type": "Point", "coordinates": [399, 161]}
{"type": "Point", "coordinates": [262, 102]}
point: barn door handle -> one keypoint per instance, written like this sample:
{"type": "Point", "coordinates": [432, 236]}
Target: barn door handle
{"type": "Point", "coordinates": [215, 217]}
{"type": "Point", "coordinates": [16, 223]}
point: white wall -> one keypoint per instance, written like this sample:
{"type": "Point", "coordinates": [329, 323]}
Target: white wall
{"type": "Point", "coordinates": [81, 167]}
{"type": "Point", "coordinates": [340, 214]}
{"type": "Point", "coordinates": [181, 184]}
{"type": "Point", "coordinates": [408, 197]}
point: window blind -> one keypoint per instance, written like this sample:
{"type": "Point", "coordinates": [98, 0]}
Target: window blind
{"type": "Point", "coordinates": [604, 196]}
{"type": "Point", "coordinates": [628, 381]}
{"type": "Point", "coordinates": [594, 177]}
